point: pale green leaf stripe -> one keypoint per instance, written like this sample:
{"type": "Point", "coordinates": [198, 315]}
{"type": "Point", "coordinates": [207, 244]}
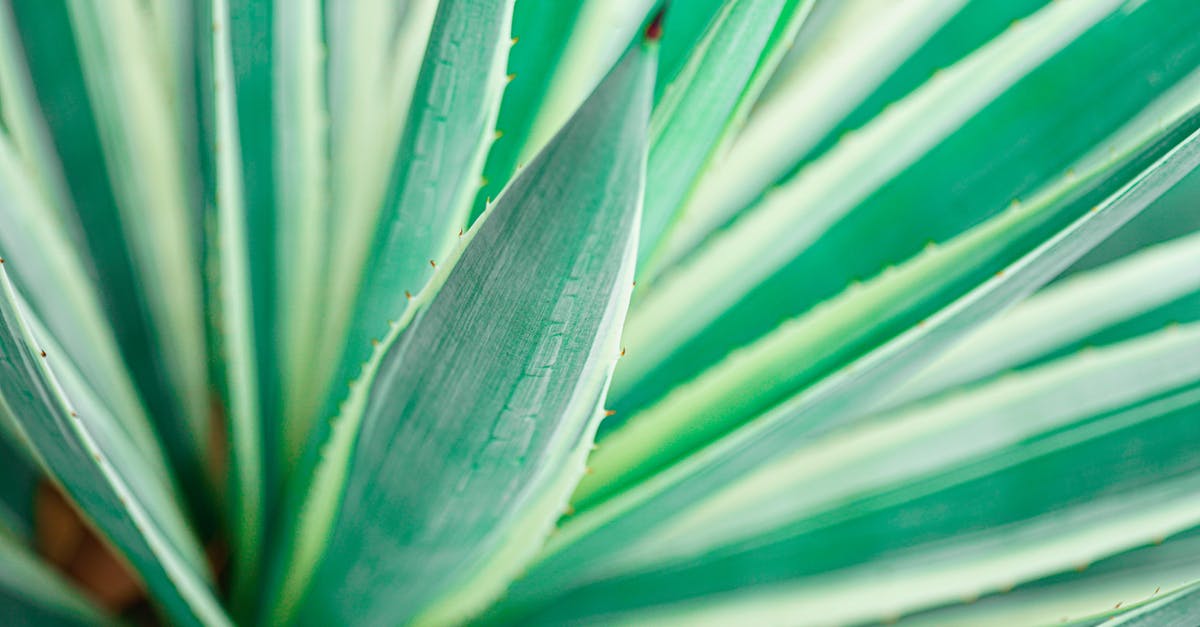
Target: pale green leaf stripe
{"type": "Point", "coordinates": [1069, 434]}
{"type": "Point", "coordinates": [303, 201]}
{"type": "Point", "coordinates": [863, 42]}
{"type": "Point", "coordinates": [685, 24]}
{"type": "Point", "coordinates": [695, 293]}
{"type": "Point", "coordinates": [24, 124]}
{"type": "Point", "coordinates": [1177, 610]}
{"type": "Point", "coordinates": [76, 448]}
{"type": "Point", "coordinates": [1065, 313]}
{"type": "Point", "coordinates": [709, 99]}
{"type": "Point", "coordinates": [144, 156]}
{"type": "Point", "coordinates": [1111, 586]}
{"type": "Point", "coordinates": [33, 594]}
{"type": "Point", "coordinates": [884, 590]}
{"type": "Point", "coordinates": [602, 31]}
{"type": "Point", "coordinates": [965, 179]}
{"type": "Point", "coordinates": [563, 280]}
{"type": "Point", "coordinates": [376, 49]}
{"type": "Point", "coordinates": [828, 336]}
{"type": "Point", "coordinates": [891, 449]}
{"type": "Point", "coordinates": [436, 174]}
{"type": "Point", "coordinates": [52, 275]}
{"type": "Point", "coordinates": [175, 24]}
{"type": "Point", "coordinates": [541, 31]}
{"type": "Point", "coordinates": [847, 392]}
{"type": "Point", "coordinates": [245, 423]}
{"type": "Point", "coordinates": [836, 477]}
{"type": "Point", "coordinates": [158, 493]}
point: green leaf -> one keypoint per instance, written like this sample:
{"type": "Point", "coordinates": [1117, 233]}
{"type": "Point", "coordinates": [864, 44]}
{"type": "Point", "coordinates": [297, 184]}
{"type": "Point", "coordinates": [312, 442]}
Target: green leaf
{"type": "Point", "coordinates": [376, 51]}
{"type": "Point", "coordinates": [435, 178]}
{"type": "Point", "coordinates": [239, 312]}
{"type": "Point", "coordinates": [685, 24]}
{"type": "Point", "coordinates": [541, 31]}
{"type": "Point", "coordinates": [1081, 597]}
{"type": "Point", "coordinates": [841, 397]}
{"type": "Point", "coordinates": [603, 30]}
{"type": "Point", "coordinates": [113, 181]}
{"type": "Point", "coordinates": [859, 45]}
{"type": "Point", "coordinates": [1179, 608]}
{"type": "Point", "coordinates": [804, 350]}
{"type": "Point", "coordinates": [302, 153]}
{"type": "Point", "coordinates": [19, 485]}
{"type": "Point", "coordinates": [919, 508]}
{"type": "Point", "coordinates": [709, 99]}
{"type": "Point", "coordinates": [1158, 286]}
{"type": "Point", "coordinates": [33, 594]}
{"type": "Point", "coordinates": [725, 297]}
{"type": "Point", "coordinates": [100, 468]}
{"type": "Point", "coordinates": [24, 124]}
{"type": "Point", "coordinates": [49, 270]}
{"type": "Point", "coordinates": [903, 446]}
{"type": "Point", "coordinates": [143, 151]}
{"type": "Point", "coordinates": [554, 259]}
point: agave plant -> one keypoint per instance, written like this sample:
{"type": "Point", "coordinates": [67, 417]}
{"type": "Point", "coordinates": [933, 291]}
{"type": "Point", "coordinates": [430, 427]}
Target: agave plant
{"type": "Point", "coordinates": [771, 312]}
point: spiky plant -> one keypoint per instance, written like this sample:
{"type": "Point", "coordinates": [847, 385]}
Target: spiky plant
{"type": "Point", "coordinates": [270, 353]}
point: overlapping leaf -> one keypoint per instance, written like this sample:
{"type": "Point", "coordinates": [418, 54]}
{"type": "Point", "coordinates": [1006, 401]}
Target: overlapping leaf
{"type": "Point", "coordinates": [95, 463]}
{"type": "Point", "coordinates": [479, 407]}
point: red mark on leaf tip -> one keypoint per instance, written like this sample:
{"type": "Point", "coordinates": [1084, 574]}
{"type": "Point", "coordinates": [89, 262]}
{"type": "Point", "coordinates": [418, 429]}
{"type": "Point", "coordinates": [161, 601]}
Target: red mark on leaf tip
{"type": "Point", "coordinates": [655, 30]}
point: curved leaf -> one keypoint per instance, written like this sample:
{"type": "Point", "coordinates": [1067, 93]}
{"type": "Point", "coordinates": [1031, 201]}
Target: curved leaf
{"type": "Point", "coordinates": [1158, 286]}
{"type": "Point", "coordinates": [554, 259]}
{"type": "Point", "coordinates": [1083, 596]}
{"type": "Point", "coordinates": [841, 398]}
{"type": "Point", "coordinates": [103, 473]}
{"type": "Point", "coordinates": [1097, 445]}
{"type": "Point", "coordinates": [859, 44]}
{"type": "Point", "coordinates": [718, 300]}
{"type": "Point", "coordinates": [114, 182]}
{"type": "Point", "coordinates": [1179, 608]}
{"type": "Point", "coordinates": [376, 52]}
{"type": "Point", "coordinates": [709, 99]}
{"type": "Point", "coordinates": [435, 177]}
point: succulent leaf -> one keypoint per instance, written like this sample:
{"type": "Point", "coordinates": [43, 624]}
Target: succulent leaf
{"type": "Point", "coordinates": [81, 447]}
{"type": "Point", "coordinates": [315, 312]}
{"type": "Point", "coordinates": [435, 176]}
{"type": "Point", "coordinates": [843, 396]}
{"type": "Point", "coordinates": [532, 387]}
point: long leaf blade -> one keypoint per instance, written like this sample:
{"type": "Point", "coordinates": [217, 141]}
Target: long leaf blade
{"type": "Point", "coordinates": [434, 179]}
{"type": "Point", "coordinates": [709, 100]}
{"type": "Point", "coordinates": [102, 472]}
{"type": "Point", "coordinates": [555, 261]}
{"type": "Point", "coordinates": [842, 397]}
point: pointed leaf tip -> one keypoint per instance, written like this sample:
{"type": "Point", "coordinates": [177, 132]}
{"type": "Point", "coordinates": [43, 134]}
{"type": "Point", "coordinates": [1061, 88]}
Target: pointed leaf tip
{"type": "Point", "coordinates": [655, 30]}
